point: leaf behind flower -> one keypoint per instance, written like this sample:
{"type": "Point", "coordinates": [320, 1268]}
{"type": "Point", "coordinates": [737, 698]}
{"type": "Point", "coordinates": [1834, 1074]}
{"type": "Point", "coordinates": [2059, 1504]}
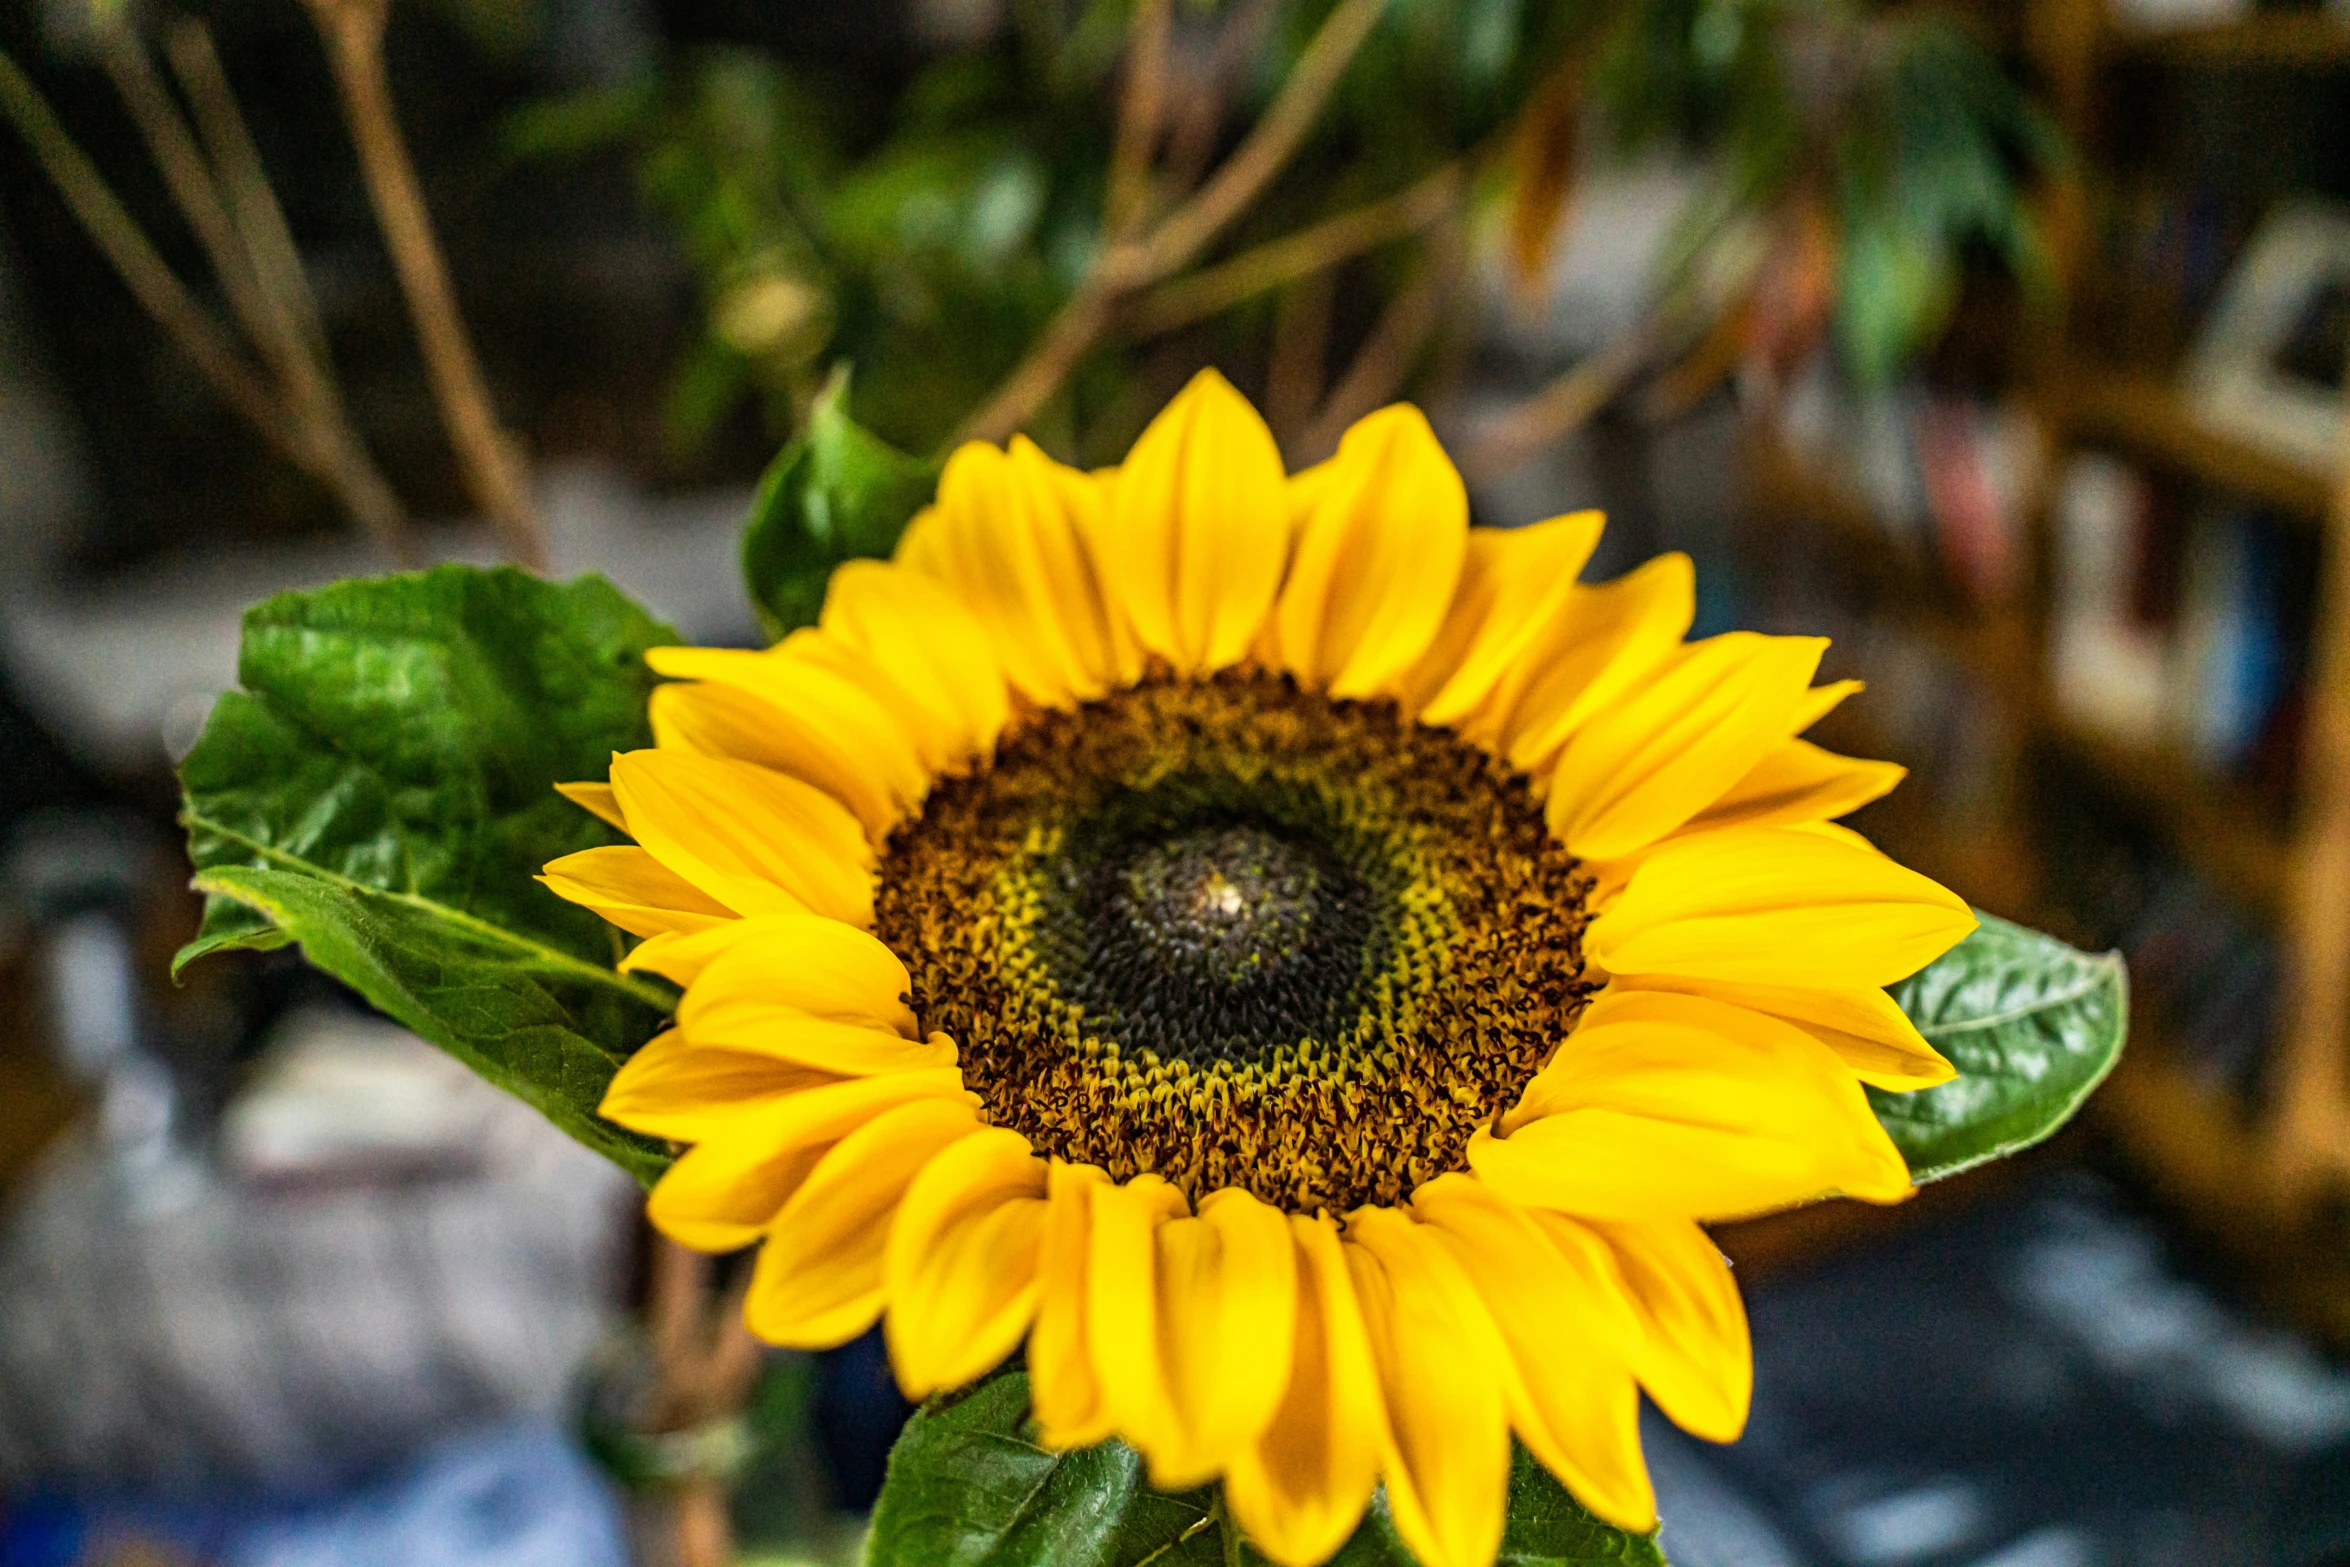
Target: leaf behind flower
{"type": "Point", "coordinates": [2031, 1024]}
{"type": "Point", "coordinates": [382, 791]}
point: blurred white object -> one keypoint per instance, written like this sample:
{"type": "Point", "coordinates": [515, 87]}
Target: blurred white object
{"type": "Point", "coordinates": [345, 1098]}
{"type": "Point", "coordinates": [125, 673]}
{"type": "Point", "coordinates": [2298, 262]}
{"type": "Point", "coordinates": [2170, 16]}
{"type": "Point", "coordinates": [289, 1335]}
{"type": "Point", "coordinates": [2107, 672]}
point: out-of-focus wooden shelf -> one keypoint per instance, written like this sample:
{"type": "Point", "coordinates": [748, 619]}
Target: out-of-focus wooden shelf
{"type": "Point", "coordinates": [2152, 419]}
{"type": "Point", "coordinates": [2293, 39]}
{"type": "Point", "coordinates": [2214, 826]}
{"type": "Point", "coordinates": [2192, 1143]}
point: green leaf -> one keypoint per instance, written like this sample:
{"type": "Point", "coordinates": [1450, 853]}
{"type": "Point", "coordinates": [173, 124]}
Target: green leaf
{"type": "Point", "coordinates": [2032, 1026]}
{"type": "Point", "coordinates": [836, 493]}
{"type": "Point", "coordinates": [382, 791]}
{"type": "Point", "coordinates": [968, 1486]}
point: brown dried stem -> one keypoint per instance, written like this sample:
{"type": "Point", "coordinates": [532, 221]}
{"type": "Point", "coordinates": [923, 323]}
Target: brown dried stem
{"type": "Point", "coordinates": [492, 460]}
{"type": "Point", "coordinates": [1387, 355]}
{"type": "Point", "coordinates": [310, 430]}
{"type": "Point", "coordinates": [1564, 405]}
{"type": "Point", "coordinates": [1269, 266]}
{"type": "Point", "coordinates": [1125, 267]}
{"type": "Point", "coordinates": [1141, 110]}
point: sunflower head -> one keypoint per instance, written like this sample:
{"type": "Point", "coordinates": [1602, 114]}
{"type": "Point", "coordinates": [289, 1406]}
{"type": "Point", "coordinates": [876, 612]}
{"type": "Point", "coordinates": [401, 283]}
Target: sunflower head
{"type": "Point", "coordinates": [1302, 965]}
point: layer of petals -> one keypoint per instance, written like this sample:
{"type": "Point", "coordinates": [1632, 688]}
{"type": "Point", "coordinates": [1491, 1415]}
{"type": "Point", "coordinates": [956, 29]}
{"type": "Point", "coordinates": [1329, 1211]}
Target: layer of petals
{"type": "Point", "coordinates": [1694, 1356]}
{"type": "Point", "coordinates": [750, 1155]}
{"type": "Point", "coordinates": [1227, 1312]}
{"type": "Point", "coordinates": [634, 891]}
{"type": "Point", "coordinates": [820, 1278]}
{"type": "Point", "coordinates": [1198, 531]}
{"type": "Point", "coordinates": [1667, 1106]}
{"type": "Point", "coordinates": [1378, 553]}
{"type": "Point", "coordinates": [918, 637]}
{"type": "Point", "coordinates": [1547, 1286]}
{"type": "Point", "coordinates": [1666, 750]}
{"type": "Point", "coordinates": [596, 799]}
{"type": "Point", "coordinates": [1299, 1490]}
{"type": "Point", "coordinates": [1063, 1392]}
{"type": "Point", "coordinates": [1862, 1024]}
{"type": "Point", "coordinates": [1796, 781]}
{"type": "Point", "coordinates": [1443, 1374]}
{"type": "Point", "coordinates": [817, 967]}
{"type": "Point", "coordinates": [1122, 1308]}
{"type": "Point", "coordinates": [758, 841]}
{"type": "Point", "coordinates": [1008, 535]}
{"type": "Point", "coordinates": [1788, 906]}
{"type": "Point", "coordinates": [961, 1267]}
{"type": "Point", "coordinates": [1514, 583]}
{"type": "Point", "coordinates": [802, 707]}
{"type": "Point", "coordinates": [1605, 641]}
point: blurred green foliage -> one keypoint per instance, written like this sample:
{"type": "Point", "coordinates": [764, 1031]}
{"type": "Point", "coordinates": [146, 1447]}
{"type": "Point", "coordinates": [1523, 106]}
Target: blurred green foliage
{"type": "Point", "coordinates": [929, 234]}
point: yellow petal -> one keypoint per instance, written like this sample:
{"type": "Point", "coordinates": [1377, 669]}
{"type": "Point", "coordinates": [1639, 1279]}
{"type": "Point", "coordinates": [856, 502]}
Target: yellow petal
{"type": "Point", "coordinates": [634, 891]}
{"type": "Point", "coordinates": [1513, 584]}
{"type": "Point", "coordinates": [676, 1087]}
{"type": "Point", "coordinates": [1376, 559]}
{"type": "Point", "coordinates": [818, 967]}
{"type": "Point", "coordinates": [1693, 1354]}
{"type": "Point", "coordinates": [1863, 1025]}
{"type": "Point", "coordinates": [934, 653]}
{"type": "Point", "coordinates": [1605, 641]}
{"type": "Point", "coordinates": [1443, 1372]}
{"type": "Point", "coordinates": [1198, 530]}
{"type": "Point", "coordinates": [1546, 1286]}
{"type": "Point", "coordinates": [682, 956]}
{"type": "Point", "coordinates": [1796, 781]}
{"type": "Point", "coordinates": [1664, 751]}
{"type": "Point", "coordinates": [820, 1279]}
{"type": "Point", "coordinates": [756, 840]}
{"type": "Point", "coordinates": [1063, 1392]}
{"type": "Point", "coordinates": [1779, 906]}
{"type": "Point", "coordinates": [1819, 702]}
{"type": "Point", "coordinates": [961, 1263]}
{"type": "Point", "coordinates": [1299, 1490]}
{"type": "Point", "coordinates": [1122, 1308]}
{"type": "Point", "coordinates": [752, 1154]}
{"type": "Point", "coordinates": [802, 708]}
{"type": "Point", "coordinates": [1227, 1329]}
{"type": "Point", "coordinates": [1663, 1106]}
{"type": "Point", "coordinates": [596, 799]}
{"type": "Point", "coordinates": [1008, 535]}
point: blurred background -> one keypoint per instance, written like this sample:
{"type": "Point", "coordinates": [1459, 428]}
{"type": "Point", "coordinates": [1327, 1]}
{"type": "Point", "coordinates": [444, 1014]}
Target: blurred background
{"type": "Point", "coordinates": [2003, 342]}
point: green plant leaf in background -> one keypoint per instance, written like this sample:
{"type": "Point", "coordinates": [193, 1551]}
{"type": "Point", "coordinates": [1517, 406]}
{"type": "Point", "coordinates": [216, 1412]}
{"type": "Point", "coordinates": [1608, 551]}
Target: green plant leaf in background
{"type": "Point", "coordinates": [2032, 1026]}
{"type": "Point", "coordinates": [836, 493]}
{"type": "Point", "coordinates": [382, 791]}
{"type": "Point", "coordinates": [969, 1487]}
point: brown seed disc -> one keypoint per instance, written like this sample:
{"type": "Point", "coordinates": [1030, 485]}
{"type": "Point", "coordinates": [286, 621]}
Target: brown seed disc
{"type": "Point", "coordinates": [1239, 934]}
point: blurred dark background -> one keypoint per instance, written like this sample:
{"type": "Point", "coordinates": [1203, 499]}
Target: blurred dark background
{"type": "Point", "coordinates": [2057, 460]}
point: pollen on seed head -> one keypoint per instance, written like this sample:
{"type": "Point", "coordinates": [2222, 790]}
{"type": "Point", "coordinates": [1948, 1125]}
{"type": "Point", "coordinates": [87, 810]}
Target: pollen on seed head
{"type": "Point", "coordinates": [1240, 935]}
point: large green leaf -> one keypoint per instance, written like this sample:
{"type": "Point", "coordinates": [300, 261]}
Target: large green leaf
{"type": "Point", "coordinates": [2032, 1026]}
{"type": "Point", "coordinates": [382, 791]}
{"type": "Point", "coordinates": [836, 493]}
{"type": "Point", "coordinates": [969, 1487]}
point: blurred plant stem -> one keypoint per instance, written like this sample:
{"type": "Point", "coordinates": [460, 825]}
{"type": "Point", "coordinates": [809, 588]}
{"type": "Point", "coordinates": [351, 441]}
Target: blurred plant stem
{"type": "Point", "coordinates": [1128, 264]}
{"type": "Point", "coordinates": [297, 407]}
{"type": "Point", "coordinates": [707, 1362]}
{"type": "Point", "coordinates": [496, 472]}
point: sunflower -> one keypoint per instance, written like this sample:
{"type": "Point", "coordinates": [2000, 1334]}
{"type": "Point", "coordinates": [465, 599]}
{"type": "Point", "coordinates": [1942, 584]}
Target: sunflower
{"type": "Point", "coordinates": [1302, 965]}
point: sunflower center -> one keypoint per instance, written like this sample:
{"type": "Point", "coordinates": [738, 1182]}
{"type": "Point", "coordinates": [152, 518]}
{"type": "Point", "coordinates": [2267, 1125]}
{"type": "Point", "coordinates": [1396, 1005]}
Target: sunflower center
{"type": "Point", "coordinates": [1238, 934]}
{"type": "Point", "coordinates": [1217, 940]}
